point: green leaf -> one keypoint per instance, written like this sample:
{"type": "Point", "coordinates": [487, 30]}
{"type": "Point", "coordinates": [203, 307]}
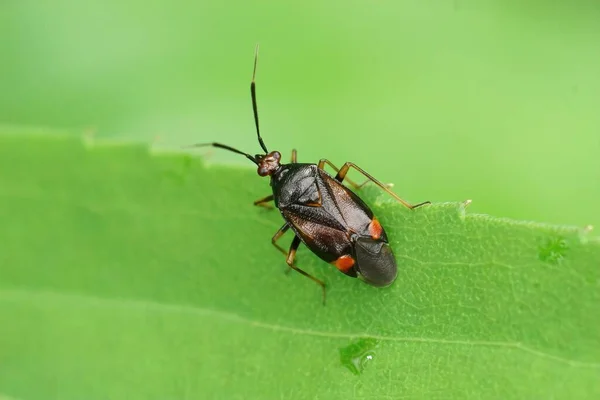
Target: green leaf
{"type": "Point", "coordinates": [127, 274]}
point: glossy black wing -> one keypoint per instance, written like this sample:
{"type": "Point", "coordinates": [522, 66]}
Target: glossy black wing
{"type": "Point", "coordinates": [319, 231]}
{"type": "Point", "coordinates": [343, 205]}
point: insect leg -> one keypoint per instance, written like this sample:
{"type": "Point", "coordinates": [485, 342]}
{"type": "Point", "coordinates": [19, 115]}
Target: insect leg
{"type": "Point", "coordinates": [290, 261]}
{"type": "Point", "coordinates": [263, 202]}
{"type": "Point", "coordinates": [346, 167]}
{"type": "Point", "coordinates": [324, 161]}
{"type": "Point", "coordinates": [278, 235]}
{"type": "Point", "coordinates": [294, 156]}
{"type": "Point", "coordinates": [356, 186]}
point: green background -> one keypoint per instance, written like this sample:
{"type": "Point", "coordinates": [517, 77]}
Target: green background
{"type": "Point", "coordinates": [495, 101]}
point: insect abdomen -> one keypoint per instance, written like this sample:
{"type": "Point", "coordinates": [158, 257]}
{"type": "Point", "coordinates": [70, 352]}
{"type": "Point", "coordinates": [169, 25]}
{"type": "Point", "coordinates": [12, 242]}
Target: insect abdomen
{"type": "Point", "coordinates": [375, 262]}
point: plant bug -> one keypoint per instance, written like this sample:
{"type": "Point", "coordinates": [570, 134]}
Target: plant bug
{"type": "Point", "coordinates": [325, 215]}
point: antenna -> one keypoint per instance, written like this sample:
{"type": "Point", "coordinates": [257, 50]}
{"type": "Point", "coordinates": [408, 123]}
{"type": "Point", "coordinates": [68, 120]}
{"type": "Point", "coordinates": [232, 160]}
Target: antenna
{"type": "Point", "coordinates": [224, 146]}
{"type": "Point", "coordinates": [254, 159]}
{"type": "Point", "coordinates": [254, 106]}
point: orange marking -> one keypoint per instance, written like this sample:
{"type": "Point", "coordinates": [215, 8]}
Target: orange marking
{"type": "Point", "coordinates": [375, 229]}
{"type": "Point", "coordinates": [344, 263]}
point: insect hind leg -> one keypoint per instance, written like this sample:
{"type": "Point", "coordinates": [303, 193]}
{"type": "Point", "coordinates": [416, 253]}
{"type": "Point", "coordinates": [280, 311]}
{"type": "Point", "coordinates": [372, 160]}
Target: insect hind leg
{"type": "Point", "coordinates": [356, 186]}
{"type": "Point", "coordinates": [321, 165]}
{"type": "Point", "coordinates": [341, 175]}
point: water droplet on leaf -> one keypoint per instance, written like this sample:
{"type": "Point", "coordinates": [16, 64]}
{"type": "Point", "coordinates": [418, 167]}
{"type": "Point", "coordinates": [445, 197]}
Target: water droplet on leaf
{"type": "Point", "coordinates": [357, 354]}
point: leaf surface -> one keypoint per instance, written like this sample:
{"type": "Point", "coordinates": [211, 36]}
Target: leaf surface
{"type": "Point", "coordinates": [135, 275]}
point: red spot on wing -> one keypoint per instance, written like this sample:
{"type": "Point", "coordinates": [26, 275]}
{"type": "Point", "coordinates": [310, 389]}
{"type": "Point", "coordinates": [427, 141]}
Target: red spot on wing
{"type": "Point", "coordinates": [344, 263]}
{"type": "Point", "coordinates": [375, 229]}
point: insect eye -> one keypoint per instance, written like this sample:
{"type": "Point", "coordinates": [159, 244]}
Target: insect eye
{"type": "Point", "coordinates": [262, 170]}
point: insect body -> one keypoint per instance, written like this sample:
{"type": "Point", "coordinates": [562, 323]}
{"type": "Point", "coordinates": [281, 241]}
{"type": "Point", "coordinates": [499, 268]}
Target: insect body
{"type": "Point", "coordinates": [325, 215]}
{"type": "Point", "coordinates": [333, 222]}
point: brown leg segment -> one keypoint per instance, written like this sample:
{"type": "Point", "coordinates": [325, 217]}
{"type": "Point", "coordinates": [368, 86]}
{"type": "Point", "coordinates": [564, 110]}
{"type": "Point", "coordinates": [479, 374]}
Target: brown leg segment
{"type": "Point", "coordinates": [278, 235]}
{"type": "Point", "coordinates": [346, 167]}
{"type": "Point", "coordinates": [324, 161]}
{"type": "Point", "coordinates": [263, 202]}
{"type": "Point", "coordinates": [290, 261]}
{"type": "Point", "coordinates": [294, 155]}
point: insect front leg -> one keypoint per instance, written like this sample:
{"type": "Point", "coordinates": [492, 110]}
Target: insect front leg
{"type": "Point", "coordinates": [346, 167]}
{"type": "Point", "coordinates": [263, 202]}
{"type": "Point", "coordinates": [290, 261]}
{"type": "Point", "coordinates": [294, 156]}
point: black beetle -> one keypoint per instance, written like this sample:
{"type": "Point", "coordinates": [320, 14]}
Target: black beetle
{"type": "Point", "coordinates": [330, 219]}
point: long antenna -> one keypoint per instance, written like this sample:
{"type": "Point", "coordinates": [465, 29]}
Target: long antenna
{"type": "Point", "coordinates": [224, 146]}
{"type": "Point", "coordinates": [254, 106]}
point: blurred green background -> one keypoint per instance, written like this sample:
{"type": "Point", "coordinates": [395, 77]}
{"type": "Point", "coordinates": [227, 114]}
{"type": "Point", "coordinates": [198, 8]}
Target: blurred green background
{"type": "Point", "coordinates": [496, 101]}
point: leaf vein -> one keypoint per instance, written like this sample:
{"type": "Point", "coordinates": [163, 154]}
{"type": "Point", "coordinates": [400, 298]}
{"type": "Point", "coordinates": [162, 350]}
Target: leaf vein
{"type": "Point", "coordinates": [79, 300]}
